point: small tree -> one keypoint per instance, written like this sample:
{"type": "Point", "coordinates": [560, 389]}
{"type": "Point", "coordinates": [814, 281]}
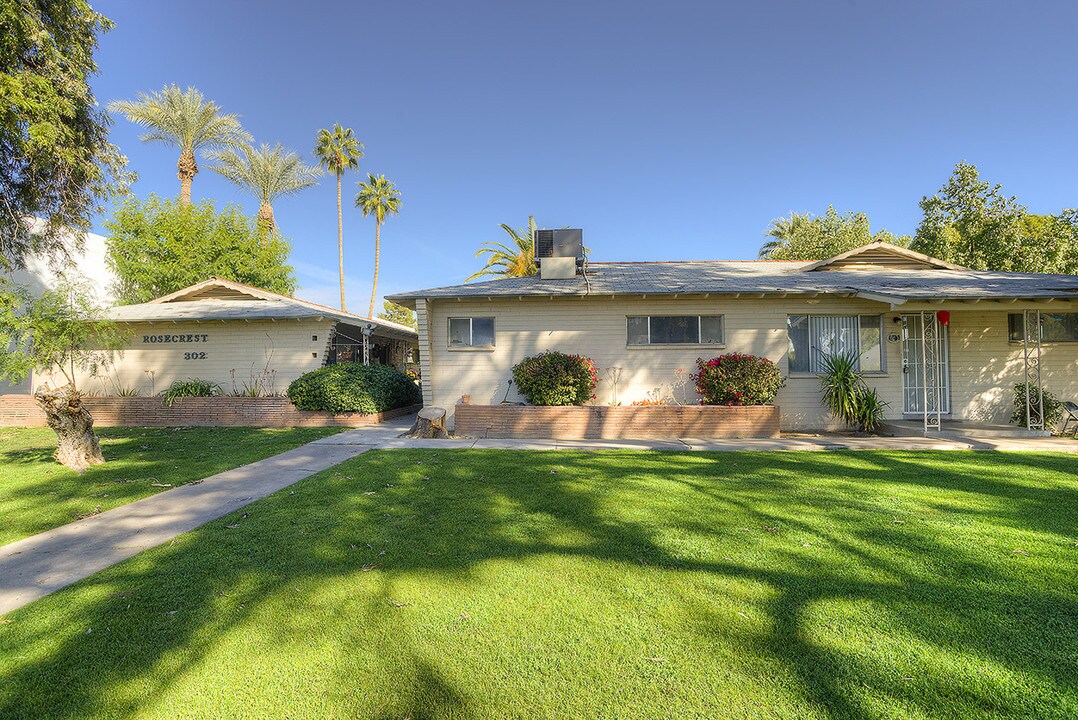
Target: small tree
{"type": "Point", "coordinates": [398, 314]}
{"type": "Point", "coordinates": [60, 331]}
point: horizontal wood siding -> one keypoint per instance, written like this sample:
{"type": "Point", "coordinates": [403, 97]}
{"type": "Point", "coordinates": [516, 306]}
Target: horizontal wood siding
{"type": "Point", "coordinates": [984, 366]}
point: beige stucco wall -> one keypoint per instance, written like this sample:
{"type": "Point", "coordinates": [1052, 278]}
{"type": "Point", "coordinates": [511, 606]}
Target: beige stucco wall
{"type": "Point", "coordinates": [984, 366]}
{"type": "Point", "coordinates": [286, 348]}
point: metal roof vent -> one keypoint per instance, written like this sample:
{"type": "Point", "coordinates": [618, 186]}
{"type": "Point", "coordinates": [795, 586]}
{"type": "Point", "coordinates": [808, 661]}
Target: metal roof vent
{"type": "Point", "coordinates": [559, 253]}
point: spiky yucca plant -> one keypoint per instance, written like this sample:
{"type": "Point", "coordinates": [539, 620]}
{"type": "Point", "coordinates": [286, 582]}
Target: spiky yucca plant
{"type": "Point", "coordinates": [380, 198]}
{"type": "Point", "coordinates": [185, 120]}
{"type": "Point", "coordinates": [267, 173]}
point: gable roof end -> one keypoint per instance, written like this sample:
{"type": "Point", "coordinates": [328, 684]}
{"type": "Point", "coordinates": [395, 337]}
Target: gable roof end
{"type": "Point", "coordinates": [882, 253]}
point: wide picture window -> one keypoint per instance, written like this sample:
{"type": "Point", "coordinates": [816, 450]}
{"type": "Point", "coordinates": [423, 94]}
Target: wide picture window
{"type": "Point", "coordinates": [814, 338]}
{"type": "Point", "coordinates": [674, 329]}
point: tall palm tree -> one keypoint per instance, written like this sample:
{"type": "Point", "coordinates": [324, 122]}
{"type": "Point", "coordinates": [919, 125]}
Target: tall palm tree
{"type": "Point", "coordinates": [509, 260]}
{"type": "Point", "coordinates": [338, 150]}
{"type": "Point", "coordinates": [184, 120]}
{"type": "Point", "coordinates": [267, 173]}
{"type": "Point", "coordinates": [377, 197]}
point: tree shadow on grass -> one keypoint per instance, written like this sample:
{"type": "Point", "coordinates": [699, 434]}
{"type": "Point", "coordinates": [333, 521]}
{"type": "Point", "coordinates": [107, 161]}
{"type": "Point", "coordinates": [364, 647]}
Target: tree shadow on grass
{"type": "Point", "coordinates": [809, 529]}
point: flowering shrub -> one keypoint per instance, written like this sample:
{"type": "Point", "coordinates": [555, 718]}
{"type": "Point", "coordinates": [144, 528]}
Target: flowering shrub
{"type": "Point", "coordinates": [737, 379]}
{"type": "Point", "coordinates": [649, 403]}
{"type": "Point", "coordinates": [554, 378]}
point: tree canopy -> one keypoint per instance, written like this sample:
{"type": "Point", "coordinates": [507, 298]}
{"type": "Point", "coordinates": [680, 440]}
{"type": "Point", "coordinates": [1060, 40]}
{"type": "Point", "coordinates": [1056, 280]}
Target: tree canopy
{"type": "Point", "coordinates": [184, 120]}
{"type": "Point", "coordinates": [398, 314]}
{"type": "Point", "coordinates": [56, 163]}
{"type": "Point", "coordinates": [972, 223]}
{"type": "Point", "coordinates": [804, 236]}
{"type": "Point", "coordinates": [156, 247]}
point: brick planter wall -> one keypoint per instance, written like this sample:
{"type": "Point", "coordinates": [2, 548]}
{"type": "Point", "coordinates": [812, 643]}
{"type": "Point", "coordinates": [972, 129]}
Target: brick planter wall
{"type": "Point", "coordinates": [221, 410]}
{"type": "Point", "coordinates": [617, 423]}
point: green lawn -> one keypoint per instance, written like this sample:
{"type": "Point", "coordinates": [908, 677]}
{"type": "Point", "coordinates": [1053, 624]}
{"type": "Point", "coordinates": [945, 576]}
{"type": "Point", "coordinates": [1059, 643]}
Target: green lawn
{"type": "Point", "coordinates": [494, 584]}
{"type": "Point", "coordinates": [37, 493]}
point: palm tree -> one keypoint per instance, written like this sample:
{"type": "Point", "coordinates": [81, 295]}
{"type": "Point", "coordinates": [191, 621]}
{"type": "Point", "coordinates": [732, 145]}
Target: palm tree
{"type": "Point", "coordinates": [337, 151]}
{"type": "Point", "coordinates": [380, 198]}
{"type": "Point", "coordinates": [267, 173]}
{"type": "Point", "coordinates": [783, 231]}
{"type": "Point", "coordinates": [184, 120]}
{"type": "Point", "coordinates": [509, 261]}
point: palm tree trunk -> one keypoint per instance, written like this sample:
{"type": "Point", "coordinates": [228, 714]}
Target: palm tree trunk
{"type": "Point", "coordinates": [265, 221]}
{"type": "Point", "coordinates": [340, 239]}
{"type": "Point", "coordinates": [377, 256]}
{"type": "Point", "coordinates": [186, 169]}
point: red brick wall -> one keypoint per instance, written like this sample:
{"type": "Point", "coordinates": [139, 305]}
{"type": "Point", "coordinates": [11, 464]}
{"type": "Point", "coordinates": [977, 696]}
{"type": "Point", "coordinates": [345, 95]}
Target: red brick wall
{"type": "Point", "coordinates": [224, 410]}
{"type": "Point", "coordinates": [616, 423]}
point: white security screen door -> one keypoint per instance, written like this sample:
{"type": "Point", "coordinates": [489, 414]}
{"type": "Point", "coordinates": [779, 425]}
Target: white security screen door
{"type": "Point", "coordinates": [913, 371]}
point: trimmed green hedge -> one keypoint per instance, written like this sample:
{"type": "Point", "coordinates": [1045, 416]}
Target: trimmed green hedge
{"type": "Point", "coordinates": [354, 388]}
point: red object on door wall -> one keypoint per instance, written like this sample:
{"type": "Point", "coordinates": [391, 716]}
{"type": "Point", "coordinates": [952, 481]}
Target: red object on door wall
{"type": "Point", "coordinates": [944, 317]}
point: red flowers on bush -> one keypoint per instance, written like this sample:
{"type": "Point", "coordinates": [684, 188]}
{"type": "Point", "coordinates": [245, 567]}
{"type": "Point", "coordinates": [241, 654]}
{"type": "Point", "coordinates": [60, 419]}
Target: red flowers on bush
{"type": "Point", "coordinates": [554, 378]}
{"type": "Point", "coordinates": [737, 379]}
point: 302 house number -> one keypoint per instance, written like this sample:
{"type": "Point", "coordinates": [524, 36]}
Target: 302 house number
{"type": "Point", "coordinates": [194, 356]}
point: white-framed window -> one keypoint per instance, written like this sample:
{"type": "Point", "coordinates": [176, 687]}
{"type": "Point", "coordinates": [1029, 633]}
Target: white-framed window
{"type": "Point", "coordinates": [674, 329]}
{"type": "Point", "coordinates": [471, 332]}
{"type": "Point", "coordinates": [1056, 327]}
{"type": "Point", "coordinates": [814, 338]}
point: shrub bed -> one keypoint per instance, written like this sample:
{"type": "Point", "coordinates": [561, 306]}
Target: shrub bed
{"type": "Point", "coordinates": [737, 379]}
{"type": "Point", "coordinates": [354, 388]}
{"type": "Point", "coordinates": [554, 378]}
{"type": "Point", "coordinates": [1053, 407]}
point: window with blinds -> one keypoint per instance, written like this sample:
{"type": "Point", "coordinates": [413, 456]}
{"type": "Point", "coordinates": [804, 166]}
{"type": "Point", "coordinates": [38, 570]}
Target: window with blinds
{"type": "Point", "coordinates": [814, 338]}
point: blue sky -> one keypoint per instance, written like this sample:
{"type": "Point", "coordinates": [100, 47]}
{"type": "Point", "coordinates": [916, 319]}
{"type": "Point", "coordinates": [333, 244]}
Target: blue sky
{"type": "Point", "coordinates": [673, 130]}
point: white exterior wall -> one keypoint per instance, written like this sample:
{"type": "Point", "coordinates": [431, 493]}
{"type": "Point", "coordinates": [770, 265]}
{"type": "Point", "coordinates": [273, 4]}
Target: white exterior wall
{"type": "Point", "coordinates": [285, 347]}
{"type": "Point", "coordinates": [984, 366]}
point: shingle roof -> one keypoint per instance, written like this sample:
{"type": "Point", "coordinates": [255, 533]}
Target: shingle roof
{"type": "Point", "coordinates": [262, 305]}
{"type": "Point", "coordinates": [725, 277]}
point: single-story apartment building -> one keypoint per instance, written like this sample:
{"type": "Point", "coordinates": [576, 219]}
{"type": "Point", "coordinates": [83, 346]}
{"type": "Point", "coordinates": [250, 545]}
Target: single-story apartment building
{"type": "Point", "coordinates": [937, 341]}
{"type": "Point", "coordinates": [240, 337]}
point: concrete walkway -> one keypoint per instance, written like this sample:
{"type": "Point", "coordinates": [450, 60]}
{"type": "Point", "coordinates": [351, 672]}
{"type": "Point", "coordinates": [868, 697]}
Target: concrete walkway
{"type": "Point", "coordinates": [39, 565]}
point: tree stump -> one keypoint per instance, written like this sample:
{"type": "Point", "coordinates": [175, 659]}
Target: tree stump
{"type": "Point", "coordinates": [77, 446]}
{"type": "Point", "coordinates": [429, 423]}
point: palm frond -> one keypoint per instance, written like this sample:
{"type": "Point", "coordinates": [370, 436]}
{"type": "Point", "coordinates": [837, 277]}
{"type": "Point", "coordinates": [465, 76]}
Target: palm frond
{"type": "Point", "coordinates": [338, 149]}
{"type": "Point", "coordinates": [183, 119]}
{"type": "Point", "coordinates": [379, 197]}
{"type": "Point", "coordinates": [507, 261]}
{"type": "Point", "coordinates": [267, 173]}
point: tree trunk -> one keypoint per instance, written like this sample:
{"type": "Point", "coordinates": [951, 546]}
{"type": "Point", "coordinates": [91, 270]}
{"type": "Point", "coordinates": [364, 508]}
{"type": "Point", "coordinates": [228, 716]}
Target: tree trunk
{"type": "Point", "coordinates": [377, 256]}
{"type": "Point", "coordinates": [186, 168]}
{"type": "Point", "coordinates": [266, 221]}
{"type": "Point", "coordinates": [340, 239]}
{"type": "Point", "coordinates": [429, 423]}
{"type": "Point", "coordinates": [77, 447]}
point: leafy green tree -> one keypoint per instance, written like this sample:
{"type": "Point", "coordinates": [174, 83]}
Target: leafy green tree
{"type": "Point", "coordinates": [803, 236]}
{"type": "Point", "coordinates": [398, 314]}
{"type": "Point", "coordinates": [183, 120]}
{"type": "Point", "coordinates": [156, 247]}
{"type": "Point", "coordinates": [56, 163]}
{"type": "Point", "coordinates": [61, 331]}
{"type": "Point", "coordinates": [338, 150]}
{"type": "Point", "coordinates": [972, 223]}
{"type": "Point", "coordinates": [267, 173]}
{"type": "Point", "coordinates": [380, 198]}
{"type": "Point", "coordinates": [509, 260]}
